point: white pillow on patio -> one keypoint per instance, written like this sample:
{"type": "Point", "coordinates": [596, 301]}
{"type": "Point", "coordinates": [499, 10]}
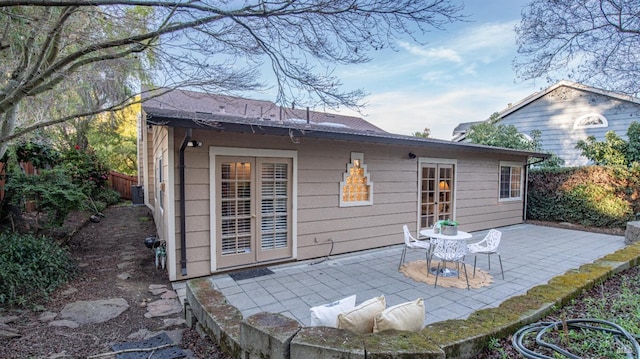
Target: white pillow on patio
{"type": "Point", "coordinates": [327, 315]}
{"type": "Point", "coordinates": [361, 318]}
{"type": "Point", "coordinates": [407, 316]}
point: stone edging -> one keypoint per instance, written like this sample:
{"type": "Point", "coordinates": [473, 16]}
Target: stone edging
{"type": "Point", "coordinates": [272, 335]}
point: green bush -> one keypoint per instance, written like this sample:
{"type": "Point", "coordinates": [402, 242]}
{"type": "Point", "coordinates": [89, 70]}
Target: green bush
{"type": "Point", "coordinates": [86, 170]}
{"type": "Point", "coordinates": [31, 268]}
{"type": "Point", "coordinates": [594, 196]}
{"type": "Point", "coordinates": [52, 190]}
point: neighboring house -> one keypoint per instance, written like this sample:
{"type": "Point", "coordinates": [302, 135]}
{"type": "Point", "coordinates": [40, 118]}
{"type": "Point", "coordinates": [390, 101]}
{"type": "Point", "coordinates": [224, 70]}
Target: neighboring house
{"type": "Point", "coordinates": [237, 183]}
{"type": "Point", "coordinates": [566, 113]}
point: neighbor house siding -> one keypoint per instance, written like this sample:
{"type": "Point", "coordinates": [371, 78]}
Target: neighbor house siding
{"type": "Point", "coordinates": [555, 113]}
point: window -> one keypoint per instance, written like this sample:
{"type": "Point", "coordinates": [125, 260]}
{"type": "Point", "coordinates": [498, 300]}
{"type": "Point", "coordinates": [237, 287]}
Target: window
{"type": "Point", "coordinates": [510, 181]}
{"type": "Point", "coordinates": [591, 120]}
{"type": "Point", "coordinates": [159, 183]}
{"type": "Point", "coordinates": [356, 189]}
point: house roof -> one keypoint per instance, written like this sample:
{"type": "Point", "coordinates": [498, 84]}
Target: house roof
{"type": "Point", "coordinates": [188, 109]}
{"type": "Point", "coordinates": [460, 132]}
{"type": "Point", "coordinates": [527, 100]}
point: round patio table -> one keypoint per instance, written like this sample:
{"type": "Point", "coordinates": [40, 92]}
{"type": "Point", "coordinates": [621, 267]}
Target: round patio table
{"type": "Point", "coordinates": [461, 236]}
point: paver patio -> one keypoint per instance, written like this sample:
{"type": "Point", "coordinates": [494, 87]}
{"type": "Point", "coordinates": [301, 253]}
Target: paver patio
{"type": "Point", "coordinates": [531, 256]}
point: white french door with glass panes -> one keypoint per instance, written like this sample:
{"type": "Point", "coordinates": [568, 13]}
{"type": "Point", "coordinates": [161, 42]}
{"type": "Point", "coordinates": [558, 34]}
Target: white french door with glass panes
{"type": "Point", "coordinates": [254, 198]}
{"type": "Point", "coordinates": [436, 193]}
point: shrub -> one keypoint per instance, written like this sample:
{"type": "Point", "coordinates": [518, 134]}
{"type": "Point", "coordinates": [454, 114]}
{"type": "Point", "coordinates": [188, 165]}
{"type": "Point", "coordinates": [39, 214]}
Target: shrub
{"type": "Point", "coordinates": [54, 193]}
{"type": "Point", "coordinates": [86, 170]}
{"type": "Point", "coordinates": [595, 196]}
{"type": "Point", "coordinates": [31, 268]}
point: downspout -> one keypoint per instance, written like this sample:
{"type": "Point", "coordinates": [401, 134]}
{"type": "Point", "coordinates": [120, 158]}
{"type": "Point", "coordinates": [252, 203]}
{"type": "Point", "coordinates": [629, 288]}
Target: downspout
{"type": "Point", "coordinates": [526, 188]}
{"type": "Point", "coordinates": [183, 220]}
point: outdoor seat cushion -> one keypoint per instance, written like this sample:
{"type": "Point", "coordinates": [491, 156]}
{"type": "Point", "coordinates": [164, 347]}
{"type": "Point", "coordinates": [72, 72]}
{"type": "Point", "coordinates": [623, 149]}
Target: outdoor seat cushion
{"type": "Point", "coordinates": [361, 318]}
{"type": "Point", "coordinates": [407, 316]}
{"type": "Point", "coordinates": [327, 315]}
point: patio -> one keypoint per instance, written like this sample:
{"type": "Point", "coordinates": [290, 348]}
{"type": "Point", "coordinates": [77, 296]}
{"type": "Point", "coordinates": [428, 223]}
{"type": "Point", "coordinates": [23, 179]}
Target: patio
{"type": "Point", "coordinates": [531, 255]}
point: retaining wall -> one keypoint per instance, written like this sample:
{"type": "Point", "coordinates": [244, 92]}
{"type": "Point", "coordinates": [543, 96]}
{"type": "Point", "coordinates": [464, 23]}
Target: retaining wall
{"type": "Point", "coordinates": [275, 336]}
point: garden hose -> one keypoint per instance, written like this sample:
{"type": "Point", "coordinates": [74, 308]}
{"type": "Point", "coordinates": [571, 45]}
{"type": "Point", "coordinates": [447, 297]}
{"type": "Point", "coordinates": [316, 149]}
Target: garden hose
{"type": "Point", "coordinates": [541, 328]}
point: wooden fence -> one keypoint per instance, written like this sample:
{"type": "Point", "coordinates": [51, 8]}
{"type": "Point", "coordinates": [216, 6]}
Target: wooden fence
{"type": "Point", "coordinates": [122, 183]}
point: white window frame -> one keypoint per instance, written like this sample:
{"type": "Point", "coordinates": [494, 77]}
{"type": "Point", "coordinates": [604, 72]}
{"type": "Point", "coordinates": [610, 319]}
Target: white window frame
{"type": "Point", "coordinates": [521, 185]}
{"type": "Point", "coordinates": [603, 121]}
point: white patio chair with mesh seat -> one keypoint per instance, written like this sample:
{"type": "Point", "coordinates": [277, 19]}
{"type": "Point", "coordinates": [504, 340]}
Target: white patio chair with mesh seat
{"type": "Point", "coordinates": [453, 251]}
{"type": "Point", "coordinates": [411, 243]}
{"type": "Point", "coordinates": [489, 246]}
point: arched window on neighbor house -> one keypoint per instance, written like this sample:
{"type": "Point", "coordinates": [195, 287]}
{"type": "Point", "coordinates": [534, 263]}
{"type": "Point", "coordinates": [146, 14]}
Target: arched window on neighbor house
{"type": "Point", "coordinates": [590, 120]}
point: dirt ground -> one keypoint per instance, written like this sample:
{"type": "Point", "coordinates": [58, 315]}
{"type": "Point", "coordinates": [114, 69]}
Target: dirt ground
{"type": "Point", "coordinates": [103, 251]}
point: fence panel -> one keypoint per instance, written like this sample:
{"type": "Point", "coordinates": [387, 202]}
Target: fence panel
{"type": "Point", "coordinates": [122, 183]}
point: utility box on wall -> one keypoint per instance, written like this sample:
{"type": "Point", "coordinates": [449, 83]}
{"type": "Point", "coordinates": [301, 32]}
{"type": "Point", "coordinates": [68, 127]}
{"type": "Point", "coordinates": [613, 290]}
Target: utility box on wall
{"type": "Point", "coordinates": [137, 195]}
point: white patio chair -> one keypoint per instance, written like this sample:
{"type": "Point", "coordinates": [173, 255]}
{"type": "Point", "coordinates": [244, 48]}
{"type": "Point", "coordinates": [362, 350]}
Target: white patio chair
{"type": "Point", "coordinates": [453, 251]}
{"type": "Point", "coordinates": [488, 245]}
{"type": "Point", "coordinates": [411, 243]}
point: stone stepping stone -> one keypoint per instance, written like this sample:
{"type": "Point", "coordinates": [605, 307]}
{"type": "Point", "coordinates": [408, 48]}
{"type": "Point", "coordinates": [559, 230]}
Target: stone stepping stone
{"type": "Point", "coordinates": [96, 311]}
{"type": "Point", "coordinates": [163, 308]}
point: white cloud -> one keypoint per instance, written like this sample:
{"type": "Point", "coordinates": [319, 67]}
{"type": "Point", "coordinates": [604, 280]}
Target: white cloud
{"type": "Point", "coordinates": [405, 112]}
{"type": "Point", "coordinates": [440, 53]}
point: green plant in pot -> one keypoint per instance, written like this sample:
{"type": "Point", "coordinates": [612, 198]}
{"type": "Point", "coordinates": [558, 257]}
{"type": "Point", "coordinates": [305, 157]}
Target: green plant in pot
{"type": "Point", "coordinates": [449, 227]}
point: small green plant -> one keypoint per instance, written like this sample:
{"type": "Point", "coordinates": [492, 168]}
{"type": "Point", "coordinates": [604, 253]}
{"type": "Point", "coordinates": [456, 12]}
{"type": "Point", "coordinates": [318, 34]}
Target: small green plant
{"type": "Point", "coordinates": [449, 222]}
{"type": "Point", "coordinates": [32, 267]}
{"type": "Point", "coordinates": [495, 344]}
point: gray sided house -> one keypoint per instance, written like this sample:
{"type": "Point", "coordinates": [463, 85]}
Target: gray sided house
{"type": "Point", "coordinates": [236, 183]}
{"type": "Point", "coordinates": [566, 113]}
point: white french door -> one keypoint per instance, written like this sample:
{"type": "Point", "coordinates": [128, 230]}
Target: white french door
{"type": "Point", "coordinates": [436, 193]}
{"type": "Point", "coordinates": [254, 217]}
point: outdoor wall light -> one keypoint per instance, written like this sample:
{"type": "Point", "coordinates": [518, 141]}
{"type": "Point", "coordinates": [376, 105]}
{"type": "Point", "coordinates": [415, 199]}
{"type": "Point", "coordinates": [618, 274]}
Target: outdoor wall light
{"type": "Point", "coordinates": [194, 144]}
{"type": "Point", "coordinates": [412, 155]}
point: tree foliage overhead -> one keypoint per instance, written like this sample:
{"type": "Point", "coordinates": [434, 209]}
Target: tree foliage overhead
{"type": "Point", "coordinates": [493, 133]}
{"type": "Point", "coordinates": [49, 47]}
{"type": "Point", "coordinates": [594, 42]}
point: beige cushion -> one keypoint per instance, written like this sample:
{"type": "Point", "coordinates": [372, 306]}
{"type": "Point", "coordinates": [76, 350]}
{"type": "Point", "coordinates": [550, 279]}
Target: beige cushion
{"type": "Point", "coordinates": [327, 315]}
{"type": "Point", "coordinates": [406, 316]}
{"type": "Point", "coordinates": [360, 319]}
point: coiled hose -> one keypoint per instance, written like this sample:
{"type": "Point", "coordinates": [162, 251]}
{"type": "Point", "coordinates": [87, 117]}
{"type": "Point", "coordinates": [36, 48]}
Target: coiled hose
{"type": "Point", "coordinates": [591, 324]}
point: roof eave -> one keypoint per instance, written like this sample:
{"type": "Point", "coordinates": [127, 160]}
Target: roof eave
{"type": "Point", "coordinates": [229, 124]}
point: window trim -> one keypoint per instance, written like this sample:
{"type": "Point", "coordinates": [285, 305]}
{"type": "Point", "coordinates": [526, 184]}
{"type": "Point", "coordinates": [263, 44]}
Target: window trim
{"type": "Point", "coordinates": [160, 183]}
{"type": "Point", "coordinates": [577, 123]}
{"type": "Point", "coordinates": [511, 164]}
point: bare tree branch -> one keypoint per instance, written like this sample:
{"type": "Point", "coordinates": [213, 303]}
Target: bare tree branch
{"type": "Point", "coordinates": [217, 45]}
{"type": "Point", "coordinates": [595, 42]}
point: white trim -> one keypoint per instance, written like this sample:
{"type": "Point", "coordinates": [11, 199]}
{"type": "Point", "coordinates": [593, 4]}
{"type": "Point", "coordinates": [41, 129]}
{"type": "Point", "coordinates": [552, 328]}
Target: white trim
{"type": "Point", "coordinates": [511, 164]}
{"type": "Point", "coordinates": [250, 152]}
{"type": "Point", "coordinates": [144, 166]}
{"type": "Point", "coordinates": [603, 121]}
{"type": "Point", "coordinates": [446, 161]}
{"type": "Point", "coordinates": [170, 208]}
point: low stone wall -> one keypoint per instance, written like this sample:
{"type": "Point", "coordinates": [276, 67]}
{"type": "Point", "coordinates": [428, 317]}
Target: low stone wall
{"type": "Point", "coordinates": [275, 336]}
{"type": "Point", "coordinates": [632, 232]}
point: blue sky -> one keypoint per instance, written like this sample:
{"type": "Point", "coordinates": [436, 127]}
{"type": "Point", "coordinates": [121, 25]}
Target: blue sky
{"type": "Point", "coordinates": [461, 74]}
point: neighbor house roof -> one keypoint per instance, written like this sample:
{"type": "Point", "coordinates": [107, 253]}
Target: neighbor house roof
{"type": "Point", "coordinates": [460, 132]}
{"type": "Point", "coordinates": [527, 100]}
{"type": "Point", "coordinates": [188, 109]}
